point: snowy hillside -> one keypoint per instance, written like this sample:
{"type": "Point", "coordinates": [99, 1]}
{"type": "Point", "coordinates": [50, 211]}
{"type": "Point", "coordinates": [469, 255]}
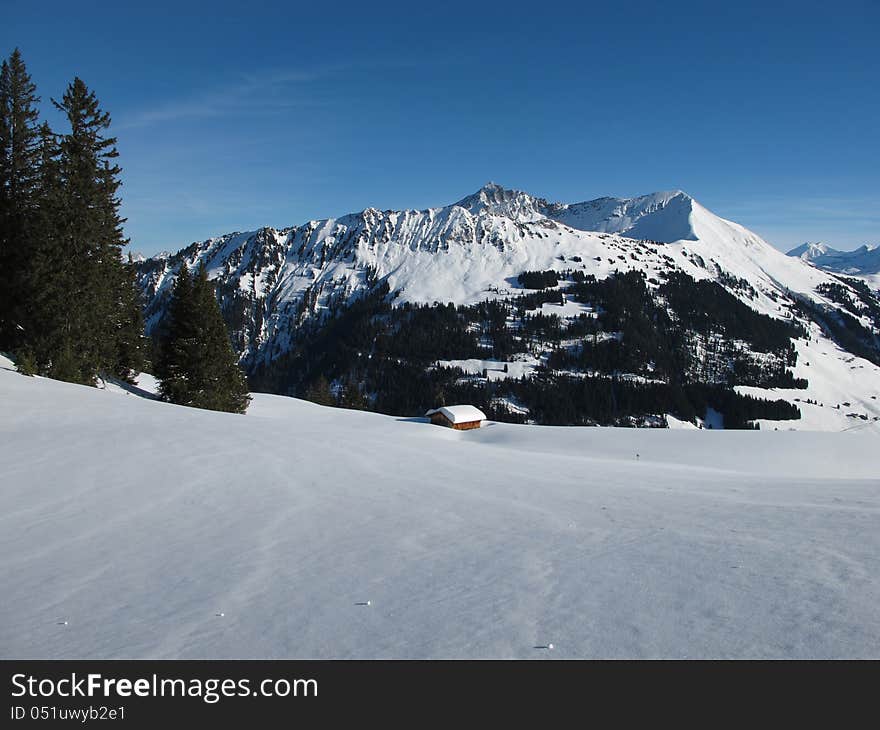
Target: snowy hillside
{"type": "Point", "coordinates": [272, 283]}
{"type": "Point", "coordinates": [281, 534]}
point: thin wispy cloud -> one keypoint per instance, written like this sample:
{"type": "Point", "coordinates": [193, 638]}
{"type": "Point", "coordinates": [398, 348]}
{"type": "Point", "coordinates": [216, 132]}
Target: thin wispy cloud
{"type": "Point", "coordinates": [253, 92]}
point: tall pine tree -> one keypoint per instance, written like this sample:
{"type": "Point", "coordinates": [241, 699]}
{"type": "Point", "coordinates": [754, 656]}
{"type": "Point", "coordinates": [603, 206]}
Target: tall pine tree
{"type": "Point", "coordinates": [197, 366]}
{"type": "Point", "coordinates": [19, 172]}
{"type": "Point", "coordinates": [91, 242]}
{"type": "Point", "coordinates": [178, 345]}
{"type": "Point", "coordinates": [69, 306]}
{"type": "Point", "coordinates": [47, 272]}
{"type": "Point", "coordinates": [129, 341]}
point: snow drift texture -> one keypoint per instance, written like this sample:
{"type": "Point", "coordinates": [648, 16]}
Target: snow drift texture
{"type": "Point", "coordinates": [128, 526]}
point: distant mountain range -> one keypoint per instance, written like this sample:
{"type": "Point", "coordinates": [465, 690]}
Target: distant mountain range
{"type": "Point", "coordinates": [280, 289]}
{"type": "Point", "coordinates": [863, 261]}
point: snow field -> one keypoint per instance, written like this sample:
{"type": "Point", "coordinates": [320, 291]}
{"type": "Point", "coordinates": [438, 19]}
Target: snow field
{"type": "Point", "coordinates": [154, 530]}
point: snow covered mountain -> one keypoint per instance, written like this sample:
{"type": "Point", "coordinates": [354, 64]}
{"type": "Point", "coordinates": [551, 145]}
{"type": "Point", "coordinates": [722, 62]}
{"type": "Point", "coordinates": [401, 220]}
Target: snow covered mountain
{"type": "Point", "coordinates": [811, 251]}
{"type": "Point", "coordinates": [471, 250]}
{"type": "Point", "coordinates": [272, 283]}
{"type": "Point", "coordinates": [863, 262]}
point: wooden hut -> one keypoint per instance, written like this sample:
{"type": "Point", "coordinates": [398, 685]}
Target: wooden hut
{"type": "Point", "coordinates": [461, 418]}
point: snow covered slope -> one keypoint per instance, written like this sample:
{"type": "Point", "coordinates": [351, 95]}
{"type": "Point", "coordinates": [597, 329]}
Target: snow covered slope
{"type": "Point", "coordinates": [134, 528]}
{"type": "Point", "coordinates": [663, 217]}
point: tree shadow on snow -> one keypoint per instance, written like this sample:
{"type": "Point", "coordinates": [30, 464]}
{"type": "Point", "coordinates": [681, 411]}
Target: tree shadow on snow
{"type": "Point", "coordinates": [129, 388]}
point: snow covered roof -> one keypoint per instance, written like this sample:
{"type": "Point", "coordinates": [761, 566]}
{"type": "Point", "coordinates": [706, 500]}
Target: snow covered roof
{"type": "Point", "coordinates": [459, 414]}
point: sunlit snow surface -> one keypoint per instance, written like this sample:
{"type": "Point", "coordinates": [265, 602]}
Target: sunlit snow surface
{"type": "Point", "coordinates": [140, 523]}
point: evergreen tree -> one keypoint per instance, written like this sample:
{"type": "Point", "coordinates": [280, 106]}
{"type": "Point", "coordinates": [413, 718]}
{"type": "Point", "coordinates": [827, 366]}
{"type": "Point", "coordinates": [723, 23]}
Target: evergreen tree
{"type": "Point", "coordinates": [45, 275]}
{"type": "Point", "coordinates": [352, 397]}
{"type": "Point", "coordinates": [177, 350]}
{"type": "Point", "coordinates": [224, 387]}
{"type": "Point", "coordinates": [129, 339]}
{"type": "Point", "coordinates": [19, 170]}
{"type": "Point", "coordinates": [91, 239]}
{"type": "Point", "coordinates": [198, 366]}
{"type": "Point", "coordinates": [69, 306]}
{"type": "Point", "coordinates": [319, 392]}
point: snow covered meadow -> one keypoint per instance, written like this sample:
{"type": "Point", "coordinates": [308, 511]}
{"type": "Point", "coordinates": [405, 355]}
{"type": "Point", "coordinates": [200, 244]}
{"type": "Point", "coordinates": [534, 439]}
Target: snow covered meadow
{"type": "Point", "coordinates": [133, 528]}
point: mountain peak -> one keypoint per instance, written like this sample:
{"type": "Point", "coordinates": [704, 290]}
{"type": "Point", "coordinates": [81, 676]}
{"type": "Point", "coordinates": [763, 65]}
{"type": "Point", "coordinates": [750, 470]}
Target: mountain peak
{"type": "Point", "coordinates": [664, 216]}
{"type": "Point", "coordinates": [863, 260]}
{"type": "Point", "coordinates": [808, 250]}
{"type": "Point", "coordinates": [494, 199]}
{"type": "Point", "coordinates": [493, 191]}
{"type": "Point", "coordinates": [491, 187]}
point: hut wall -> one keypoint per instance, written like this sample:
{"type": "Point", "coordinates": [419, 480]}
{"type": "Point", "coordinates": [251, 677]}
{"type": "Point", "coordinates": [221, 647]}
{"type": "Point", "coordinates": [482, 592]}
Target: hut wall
{"type": "Point", "coordinates": [466, 426]}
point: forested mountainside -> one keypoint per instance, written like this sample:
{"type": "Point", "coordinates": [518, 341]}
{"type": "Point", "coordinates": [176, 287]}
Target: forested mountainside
{"type": "Point", "coordinates": [614, 311]}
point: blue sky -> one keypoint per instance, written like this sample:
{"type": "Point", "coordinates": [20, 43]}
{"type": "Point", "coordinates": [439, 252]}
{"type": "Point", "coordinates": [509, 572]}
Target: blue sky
{"type": "Point", "coordinates": [235, 115]}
